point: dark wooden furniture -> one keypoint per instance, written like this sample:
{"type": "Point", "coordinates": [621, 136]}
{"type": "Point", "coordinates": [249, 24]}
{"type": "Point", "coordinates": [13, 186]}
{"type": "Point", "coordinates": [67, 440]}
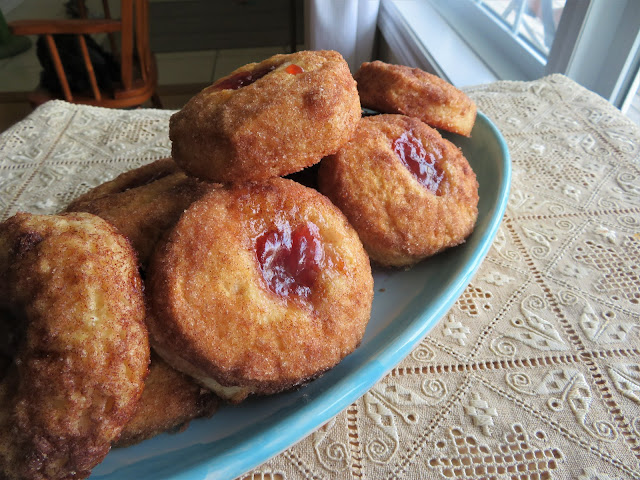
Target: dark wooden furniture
{"type": "Point", "coordinates": [139, 77]}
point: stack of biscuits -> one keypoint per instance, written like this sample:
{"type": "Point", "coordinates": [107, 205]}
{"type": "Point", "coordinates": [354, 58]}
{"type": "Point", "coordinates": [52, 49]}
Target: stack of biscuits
{"type": "Point", "coordinates": [254, 242]}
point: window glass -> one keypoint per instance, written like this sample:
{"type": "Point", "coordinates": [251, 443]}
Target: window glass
{"type": "Point", "coordinates": [534, 21]}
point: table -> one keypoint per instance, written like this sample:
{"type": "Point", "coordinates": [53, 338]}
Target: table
{"type": "Point", "coordinates": [533, 373]}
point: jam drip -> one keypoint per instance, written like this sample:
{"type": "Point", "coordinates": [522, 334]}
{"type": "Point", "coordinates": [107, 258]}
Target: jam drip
{"type": "Point", "coordinates": [422, 164]}
{"type": "Point", "coordinates": [294, 69]}
{"type": "Point", "coordinates": [290, 261]}
{"type": "Point", "coordinates": [242, 79]}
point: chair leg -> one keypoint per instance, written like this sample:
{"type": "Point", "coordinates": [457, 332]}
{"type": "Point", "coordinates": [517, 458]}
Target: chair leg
{"type": "Point", "coordinates": [155, 100]}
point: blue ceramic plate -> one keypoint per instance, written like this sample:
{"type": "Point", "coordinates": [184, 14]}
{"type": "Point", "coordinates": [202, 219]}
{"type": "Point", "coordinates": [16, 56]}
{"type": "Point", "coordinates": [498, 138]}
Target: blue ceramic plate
{"type": "Point", "coordinates": [407, 304]}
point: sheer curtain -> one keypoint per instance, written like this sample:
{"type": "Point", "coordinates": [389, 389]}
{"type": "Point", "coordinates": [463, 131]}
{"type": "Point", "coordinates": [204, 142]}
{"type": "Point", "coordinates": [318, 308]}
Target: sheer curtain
{"type": "Point", "coordinates": [347, 26]}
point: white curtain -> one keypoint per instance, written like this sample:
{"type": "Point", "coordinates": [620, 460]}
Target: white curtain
{"type": "Point", "coordinates": [347, 26]}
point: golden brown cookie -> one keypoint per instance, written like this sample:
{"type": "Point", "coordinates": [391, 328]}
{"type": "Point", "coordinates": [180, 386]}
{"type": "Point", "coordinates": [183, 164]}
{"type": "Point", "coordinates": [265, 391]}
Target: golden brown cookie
{"type": "Point", "coordinates": [134, 178]}
{"type": "Point", "coordinates": [71, 290]}
{"type": "Point", "coordinates": [170, 400]}
{"type": "Point", "coordinates": [259, 288]}
{"type": "Point", "coordinates": [267, 119]}
{"type": "Point", "coordinates": [413, 92]}
{"type": "Point", "coordinates": [408, 192]}
{"type": "Point", "coordinates": [143, 203]}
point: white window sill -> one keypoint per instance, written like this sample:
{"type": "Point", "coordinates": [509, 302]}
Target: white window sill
{"type": "Point", "coordinates": [419, 37]}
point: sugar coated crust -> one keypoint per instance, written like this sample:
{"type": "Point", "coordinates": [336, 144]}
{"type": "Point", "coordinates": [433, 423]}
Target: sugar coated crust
{"type": "Point", "coordinates": [281, 123]}
{"type": "Point", "coordinates": [390, 88]}
{"type": "Point", "coordinates": [143, 203]}
{"type": "Point", "coordinates": [71, 295]}
{"type": "Point", "coordinates": [399, 221]}
{"type": "Point", "coordinates": [170, 400]}
{"type": "Point", "coordinates": [133, 178]}
{"type": "Point", "coordinates": [213, 312]}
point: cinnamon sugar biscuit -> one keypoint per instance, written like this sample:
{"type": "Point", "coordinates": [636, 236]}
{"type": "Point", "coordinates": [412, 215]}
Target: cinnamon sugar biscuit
{"type": "Point", "coordinates": [71, 282]}
{"type": "Point", "coordinates": [408, 192]}
{"type": "Point", "coordinates": [410, 91]}
{"type": "Point", "coordinates": [170, 400]}
{"type": "Point", "coordinates": [143, 203]}
{"type": "Point", "coordinates": [259, 288]}
{"type": "Point", "coordinates": [134, 178]}
{"type": "Point", "coordinates": [267, 119]}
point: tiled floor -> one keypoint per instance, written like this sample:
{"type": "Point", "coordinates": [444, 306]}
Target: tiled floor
{"type": "Point", "coordinates": [205, 66]}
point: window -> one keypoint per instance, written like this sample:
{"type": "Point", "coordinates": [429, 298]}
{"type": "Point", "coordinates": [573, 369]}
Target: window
{"type": "Point", "coordinates": [515, 37]}
{"type": "Point", "coordinates": [595, 42]}
{"type": "Point", "coordinates": [532, 21]}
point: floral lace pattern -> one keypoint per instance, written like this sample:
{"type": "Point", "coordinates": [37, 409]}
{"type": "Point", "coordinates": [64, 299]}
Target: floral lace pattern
{"type": "Point", "coordinates": [535, 371]}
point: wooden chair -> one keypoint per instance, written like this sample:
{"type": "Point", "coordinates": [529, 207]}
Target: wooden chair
{"type": "Point", "coordinates": [138, 71]}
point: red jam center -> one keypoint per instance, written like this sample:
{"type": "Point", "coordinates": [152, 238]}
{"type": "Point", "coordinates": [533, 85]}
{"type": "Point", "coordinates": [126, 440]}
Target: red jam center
{"type": "Point", "coordinates": [242, 79]}
{"type": "Point", "coordinates": [294, 69]}
{"type": "Point", "coordinates": [422, 164]}
{"type": "Point", "coordinates": [290, 261]}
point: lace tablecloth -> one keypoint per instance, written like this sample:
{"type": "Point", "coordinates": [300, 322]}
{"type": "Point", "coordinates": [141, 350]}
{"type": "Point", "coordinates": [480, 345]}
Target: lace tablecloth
{"type": "Point", "coordinates": [535, 371]}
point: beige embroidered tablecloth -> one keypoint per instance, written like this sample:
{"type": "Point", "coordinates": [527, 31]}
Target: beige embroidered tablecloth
{"type": "Point", "coordinates": [535, 371]}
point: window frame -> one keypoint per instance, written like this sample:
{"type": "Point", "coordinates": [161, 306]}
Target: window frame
{"type": "Point", "coordinates": [597, 43]}
{"type": "Point", "coordinates": [510, 56]}
{"type": "Point", "coordinates": [405, 41]}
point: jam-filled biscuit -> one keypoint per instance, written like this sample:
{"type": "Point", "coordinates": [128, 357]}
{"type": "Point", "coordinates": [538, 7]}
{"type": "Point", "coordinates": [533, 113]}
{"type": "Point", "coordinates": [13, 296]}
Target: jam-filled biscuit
{"type": "Point", "coordinates": [408, 192]}
{"type": "Point", "coordinates": [267, 119]}
{"type": "Point", "coordinates": [259, 288]}
{"type": "Point", "coordinates": [413, 92]}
